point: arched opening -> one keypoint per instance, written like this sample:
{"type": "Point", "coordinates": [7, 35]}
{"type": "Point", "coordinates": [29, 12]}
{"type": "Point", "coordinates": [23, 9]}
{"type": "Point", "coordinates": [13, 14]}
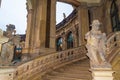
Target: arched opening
{"type": "Point", "coordinates": [69, 40]}
{"type": "Point", "coordinates": [59, 44]}
{"type": "Point", "coordinates": [63, 10]}
{"type": "Point", "coordinates": [114, 16]}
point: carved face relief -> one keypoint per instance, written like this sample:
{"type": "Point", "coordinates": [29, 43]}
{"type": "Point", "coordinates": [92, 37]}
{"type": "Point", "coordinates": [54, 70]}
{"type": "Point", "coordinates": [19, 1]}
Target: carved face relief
{"type": "Point", "coordinates": [95, 25]}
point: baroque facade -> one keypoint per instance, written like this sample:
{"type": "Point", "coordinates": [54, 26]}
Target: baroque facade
{"type": "Point", "coordinates": [48, 46]}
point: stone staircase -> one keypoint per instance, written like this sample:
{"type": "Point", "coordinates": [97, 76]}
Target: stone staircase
{"type": "Point", "coordinates": [75, 71]}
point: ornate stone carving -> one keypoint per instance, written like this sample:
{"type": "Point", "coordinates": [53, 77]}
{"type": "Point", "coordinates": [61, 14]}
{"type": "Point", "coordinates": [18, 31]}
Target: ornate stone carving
{"type": "Point", "coordinates": [7, 53]}
{"type": "Point", "coordinates": [5, 50]}
{"type": "Point", "coordinates": [3, 39]}
{"type": "Point", "coordinates": [7, 45]}
{"type": "Point", "coordinates": [96, 46]}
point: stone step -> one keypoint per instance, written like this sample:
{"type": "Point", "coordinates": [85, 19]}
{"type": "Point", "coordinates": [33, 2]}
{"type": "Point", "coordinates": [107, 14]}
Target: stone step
{"type": "Point", "coordinates": [72, 69]}
{"type": "Point", "coordinates": [68, 72]}
{"type": "Point", "coordinates": [76, 67]}
{"type": "Point", "coordinates": [63, 78]}
{"type": "Point", "coordinates": [86, 64]}
{"type": "Point", "coordinates": [78, 76]}
{"type": "Point", "coordinates": [72, 75]}
{"type": "Point", "coordinates": [75, 71]}
{"type": "Point", "coordinates": [82, 64]}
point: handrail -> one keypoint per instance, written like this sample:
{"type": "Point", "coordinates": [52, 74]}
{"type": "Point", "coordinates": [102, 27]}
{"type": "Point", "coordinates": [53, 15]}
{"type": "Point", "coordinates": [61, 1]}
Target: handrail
{"type": "Point", "coordinates": [112, 45]}
{"type": "Point", "coordinates": [41, 65]}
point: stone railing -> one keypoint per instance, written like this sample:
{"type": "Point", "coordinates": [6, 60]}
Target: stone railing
{"type": "Point", "coordinates": [113, 45]}
{"type": "Point", "coordinates": [37, 67]}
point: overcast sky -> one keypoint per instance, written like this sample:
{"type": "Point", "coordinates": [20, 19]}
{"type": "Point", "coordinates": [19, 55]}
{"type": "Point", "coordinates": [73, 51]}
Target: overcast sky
{"type": "Point", "coordinates": [14, 12]}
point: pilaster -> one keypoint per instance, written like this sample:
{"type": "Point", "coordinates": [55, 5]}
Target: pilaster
{"type": "Point", "coordinates": [29, 20]}
{"type": "Point", "coordinates": [40, 24]}
{"type": "Point", "coordinates": [52, 25]}
{"type": "Point", "coordinates": [83, 23]}
{"type": "Point", "coordinates": [64, 42]}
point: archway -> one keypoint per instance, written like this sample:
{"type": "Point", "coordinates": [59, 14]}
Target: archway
{"type": "Point", "coordinates": [41, 24]}
{"type": "Point", "coordinates": [114, 16]}
{"type": "Point", "coordinates": [63, 10]}
{"type": "Point", "coordinates": [59, 44]}
{"type": "Point", "coordinates": [69, 40]}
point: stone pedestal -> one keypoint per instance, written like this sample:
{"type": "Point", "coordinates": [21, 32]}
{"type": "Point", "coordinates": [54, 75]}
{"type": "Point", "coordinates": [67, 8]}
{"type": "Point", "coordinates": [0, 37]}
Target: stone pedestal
{"type": "Point", "coordinates": [102, 74]}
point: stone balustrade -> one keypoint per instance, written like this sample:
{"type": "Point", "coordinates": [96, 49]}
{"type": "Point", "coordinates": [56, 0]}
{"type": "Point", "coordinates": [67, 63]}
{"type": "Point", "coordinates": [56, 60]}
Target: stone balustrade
{"type": "Point", "coordinates": [29, 70]}
{"type": "Point", "coordinates": [112, 45]}
{"type": "Point", "coordinates": [37, 67]}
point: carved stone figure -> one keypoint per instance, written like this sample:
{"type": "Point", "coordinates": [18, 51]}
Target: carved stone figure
{"type": "Point", "coordinates": [3, 39]}
{"type": "Point", "coordinates": [96, 45]}
{"type": "Point", "coordinates": [7, 53]}
{"type": "Point", "coordinates": [6, 50]}
{"type": "Point", "coordinates": [8, 46]}
{"type": "Point", "coordinates": [9, 31]}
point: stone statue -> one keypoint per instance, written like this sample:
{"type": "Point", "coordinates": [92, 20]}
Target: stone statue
{"type": "Point", "coordinates": [96, 45]}
{"type": "Point", "coordinates": [64, 15]}
{"type": "Point", "coordinates": [6, 50]}
{"type": "Point", "coordinates": [3, 39]}
{"type": "Point", "coordinates": [7, 53]}
{"type": "Point", "coordinates": [9, 31]}
{"type": "Point", "coordinates": [8, 44]}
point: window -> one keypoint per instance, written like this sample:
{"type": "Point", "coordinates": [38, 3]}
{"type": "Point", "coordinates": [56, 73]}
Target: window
{"type": "Point", "coordinates": [70, 40]}
{"type": "Point", "coordinates": [114, 16]}
{"type": "Point", "coordinates": [59, 44]}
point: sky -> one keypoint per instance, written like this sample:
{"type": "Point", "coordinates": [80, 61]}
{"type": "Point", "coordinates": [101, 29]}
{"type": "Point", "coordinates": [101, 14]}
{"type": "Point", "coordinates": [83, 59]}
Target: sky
{"type": "Point", "coordinates": [14, 12]}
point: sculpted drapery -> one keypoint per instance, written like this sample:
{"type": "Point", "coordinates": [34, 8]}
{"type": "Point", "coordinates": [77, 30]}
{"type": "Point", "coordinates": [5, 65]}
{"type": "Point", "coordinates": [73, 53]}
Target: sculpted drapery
{"type": "Point", "coordinates": [96, 45]}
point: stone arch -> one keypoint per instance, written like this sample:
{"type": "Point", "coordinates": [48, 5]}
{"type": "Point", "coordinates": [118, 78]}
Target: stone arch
{"type": "Point", "coordinates": [77, 3]}
{"type": "Point", "coordinates": [72, 2]}
{"type": "Point", "coordinates": [59, 43]}
{"type": "Point", "coordinates": [70, 40]}
{"type": "Point", "coordinates": [114, 16]}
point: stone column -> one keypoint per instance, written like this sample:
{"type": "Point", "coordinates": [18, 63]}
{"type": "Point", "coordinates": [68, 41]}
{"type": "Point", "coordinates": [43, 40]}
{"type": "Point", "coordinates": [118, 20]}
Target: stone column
{"type": "Point", "coordinates": [40, 25]}
{"type": "Point", "coordinates": [64, 42]}
{"type": "Point", "coordinates": [108, 25]}
{"type": "Point", "coordinates": [83, 23]}
{"type": "Point", "coordinates": [52, 25]}
{"type": "Point", "coordinates": [29, 27]}
{"type": "Point", "coordinates": [75, 38]}
{"type": "Point", "coordinates": [102, 74]}
{"type": "Point", "coordinates": [37, 31]}
{"type": "Point", "coordinates": [27, 41]}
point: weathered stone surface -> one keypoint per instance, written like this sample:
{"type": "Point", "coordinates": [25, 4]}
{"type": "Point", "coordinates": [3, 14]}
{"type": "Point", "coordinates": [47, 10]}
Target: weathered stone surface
{"type": "Point", "coordinates": [96, 46]}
